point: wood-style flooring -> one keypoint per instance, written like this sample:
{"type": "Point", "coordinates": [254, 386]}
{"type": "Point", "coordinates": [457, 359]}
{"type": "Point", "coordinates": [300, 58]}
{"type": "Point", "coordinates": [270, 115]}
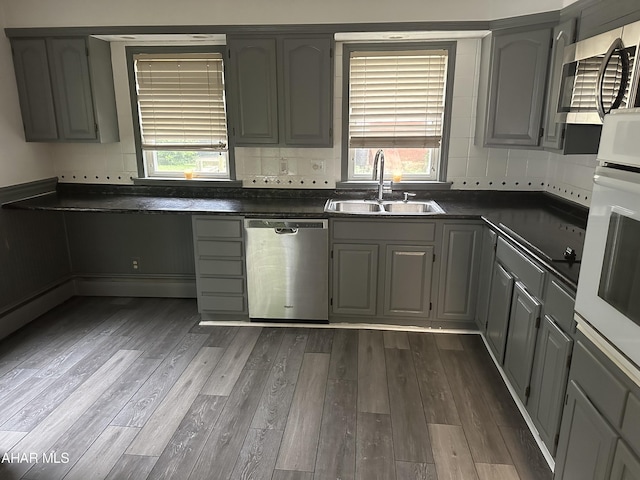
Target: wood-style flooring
{"type": "Point", "coordinates": [117, 388]}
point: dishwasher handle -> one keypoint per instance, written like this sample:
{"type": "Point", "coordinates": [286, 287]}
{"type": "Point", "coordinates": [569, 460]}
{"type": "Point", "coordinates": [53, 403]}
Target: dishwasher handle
{"type": "Point", "coordinates": [285, 231]}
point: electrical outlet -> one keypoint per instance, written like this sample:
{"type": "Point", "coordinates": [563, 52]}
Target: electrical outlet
{"type": "Point", "coordinates": [317, 166]}
{"type": "Point", "coordinates": [135, 264]}
{"type": "Point", "coordinates": [284, 166]}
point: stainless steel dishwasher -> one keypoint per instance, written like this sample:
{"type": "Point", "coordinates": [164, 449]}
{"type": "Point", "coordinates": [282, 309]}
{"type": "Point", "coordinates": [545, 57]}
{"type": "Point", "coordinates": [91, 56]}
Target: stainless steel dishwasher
{"type": "Point", "coordinates": [288, 269]}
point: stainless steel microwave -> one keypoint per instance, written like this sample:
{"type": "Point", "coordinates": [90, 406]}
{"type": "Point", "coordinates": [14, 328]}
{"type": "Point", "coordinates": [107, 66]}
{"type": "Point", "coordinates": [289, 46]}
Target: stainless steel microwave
{"type": "Point", "coordinates": [600, 74]}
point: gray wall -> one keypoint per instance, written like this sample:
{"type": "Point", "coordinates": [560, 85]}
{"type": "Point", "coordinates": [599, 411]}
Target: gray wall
{"type": "Point", "coordinates": [33, 250]}
{"type": "Point", "coordinates": [105, 243]}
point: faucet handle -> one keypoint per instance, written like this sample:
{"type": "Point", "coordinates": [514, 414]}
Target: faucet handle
{"type": "Point", "coordinates": [407, 195]}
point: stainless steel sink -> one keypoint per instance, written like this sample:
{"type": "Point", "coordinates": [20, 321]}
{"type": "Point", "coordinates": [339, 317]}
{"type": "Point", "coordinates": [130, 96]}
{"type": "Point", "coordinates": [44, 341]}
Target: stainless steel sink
{"type": "Point", "coordinates": [415, 206]}
{"type": "Point", "coordinates": [388, 207]}
{"type": "Point", "coordinates": [353, 206]}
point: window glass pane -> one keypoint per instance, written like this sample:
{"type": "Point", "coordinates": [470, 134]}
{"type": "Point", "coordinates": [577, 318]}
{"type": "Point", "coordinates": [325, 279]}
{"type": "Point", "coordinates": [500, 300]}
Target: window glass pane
{"type": "Point", "coordinates": [182, 113]}
{"type": "Point", "coordinates": [409, 163]}
{"type": "Point", "coordinates": [396, 102]}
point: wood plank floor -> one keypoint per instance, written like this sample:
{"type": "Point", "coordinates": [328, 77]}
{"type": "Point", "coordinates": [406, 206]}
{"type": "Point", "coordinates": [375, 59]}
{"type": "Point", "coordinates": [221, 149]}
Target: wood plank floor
{"type": "Point", "coordinates": [118, 388]}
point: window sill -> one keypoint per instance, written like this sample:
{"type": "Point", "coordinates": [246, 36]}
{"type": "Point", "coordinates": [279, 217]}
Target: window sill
{"type": "Point", "coordinates": [396, 186]}
{"type": "Point", "coordinates": [179, 182]}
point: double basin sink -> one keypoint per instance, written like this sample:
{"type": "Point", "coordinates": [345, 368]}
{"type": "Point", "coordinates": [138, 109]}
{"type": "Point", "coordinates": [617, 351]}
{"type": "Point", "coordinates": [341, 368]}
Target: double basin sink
{"type": "Point", "coordinates": [386, 207]}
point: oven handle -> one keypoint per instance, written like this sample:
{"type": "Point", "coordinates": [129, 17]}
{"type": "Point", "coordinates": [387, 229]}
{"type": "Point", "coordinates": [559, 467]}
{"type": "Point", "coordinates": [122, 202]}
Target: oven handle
{"type": "Point", "coordinates": [616, 45]}
{"type": "Point", "coordinates": [627, 181]}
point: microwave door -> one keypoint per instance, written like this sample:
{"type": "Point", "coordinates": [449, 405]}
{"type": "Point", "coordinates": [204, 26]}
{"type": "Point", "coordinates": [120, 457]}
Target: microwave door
{"type": "Point", "coordinates": [618, 76]}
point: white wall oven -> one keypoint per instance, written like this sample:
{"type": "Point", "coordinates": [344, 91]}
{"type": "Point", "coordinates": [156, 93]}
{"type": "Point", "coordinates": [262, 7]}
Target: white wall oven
{"type": "Point", "coordinates": [608, 296]}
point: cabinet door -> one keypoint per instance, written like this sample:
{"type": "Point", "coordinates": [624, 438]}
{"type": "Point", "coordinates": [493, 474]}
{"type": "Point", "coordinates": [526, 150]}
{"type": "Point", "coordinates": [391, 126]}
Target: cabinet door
{"type": "Point", "coordinates": [499, 307]}
{"type": "Point", "coordinates": [72, 88]}
{"type": "Point", "coordinates": [307, 76]}
{"type": "Point", "coordinates": [587, 441]}
{"type": "Point", "coordinates": [625, 464]}
{"type": "Point", "coordinates": [34, 89]}
{"type": "Point", "coordinates": [458, 282]}
{"type": "Point", "coordinates": [355, 279]}
{"type": "Point", "coordinates": [516, 92]}
{"type": "Point", "coordinates": [487, 258]}
{"type": "Point", "coordinates": [563, 35]}
{"type": "Point", "coordinates": [407, 280]}
{"type": "Point", "coordinates": [254, 90]}
{"type": "Point", "coordinates": [549, 381]}
{"type": "Point", "coordinates": [524, 322]}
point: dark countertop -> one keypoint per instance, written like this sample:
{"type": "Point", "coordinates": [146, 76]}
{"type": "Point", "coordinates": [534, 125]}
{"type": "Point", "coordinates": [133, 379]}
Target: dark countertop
{"type": "Point", "coordinates": [539, 223]}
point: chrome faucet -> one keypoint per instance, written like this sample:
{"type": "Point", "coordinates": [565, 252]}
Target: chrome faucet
{"type": "Point", "coordinates": [379, 157]}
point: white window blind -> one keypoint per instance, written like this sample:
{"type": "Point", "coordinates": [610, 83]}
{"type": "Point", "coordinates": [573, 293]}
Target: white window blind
{"type": "Point", "coordinates": [396, 98]}
{"type": "Point", "coordinates": [181, 101]}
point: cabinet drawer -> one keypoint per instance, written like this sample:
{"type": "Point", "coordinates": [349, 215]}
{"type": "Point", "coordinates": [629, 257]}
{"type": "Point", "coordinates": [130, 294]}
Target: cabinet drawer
{"type": "Point", "coordinates": [214, 227]}
{"type": "Point", "coordinates": [221, 267]}
{"type": "Point", "coordinates": [385, 230]}
{"type": "Point", "coordinates": [523, 268]}
{"type": "Point", "coordinates": [221, 303]}
{"type": "Point", "coordinates": [559, 304]}
{"type": "Point", "coordinates": [213, 248]}
{"type": "Point", "coordinates": [221, 285]}
{"type": "Point", "coordinates": [596, 380]}
{"type": "Point", "coordinates": [631, 423]}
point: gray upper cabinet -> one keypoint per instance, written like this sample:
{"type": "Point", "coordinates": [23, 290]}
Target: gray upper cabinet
{"type": "Point", "coordinates": [307, 91]}
{"type": "Point", "coordinates": [499, 309]}
{"type": "Point", "coordinates": [524, 321]}
{"type": "Point", "coordinates": [516, 86]}
{"type": "Point", "coordinates": [66, 89]}
{"type": "Point", "coordinates": [563, 35]}
{"type": "Point", "coordinates": [281, 90]}
{"type": "Point", "coordinates": [254, 90]}
{"type": "Point", "coordinates": [407, 281]}
{"type": "Point", "coordinates": [31, 64]}
{"type": "Point", "coordinates": [458, 282]}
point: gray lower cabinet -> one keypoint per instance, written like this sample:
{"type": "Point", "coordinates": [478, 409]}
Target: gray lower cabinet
{"type": "Point", "coordinates": [458, 280]}
{"type": "Point", "coordinates": [549, 381]}
{"type": "Point", "coordinates": [626, 465]}
{"type": "Point", "coordinates": [66, 90]}
{"type": "Point", "coordinates": [407, 280]}
{"type": "Point", "coordinates": [600, 432]}
{"type": "Point", "coordinates": [499, 309]}
{"type": "Point", "coordinates": [280, 89]}
{"type": "Point", "coordinates": [587, 441]}
{"type": "Point", "coordinates": [487, 257]}
{"type": "Point", "coordinates": [220, 267]}
{"type": "Point", "coordinates": [524, 321]}
{"type": "Point", "coordinates": [510, 112]}
{"type": "Point", "coordinates": [355, 279]}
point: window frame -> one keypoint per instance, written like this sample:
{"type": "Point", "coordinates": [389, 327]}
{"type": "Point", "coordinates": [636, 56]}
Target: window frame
{"type": "Point", "coordinates": [450, 47]}
{"type": "Point", "coordinates": [131, 52]}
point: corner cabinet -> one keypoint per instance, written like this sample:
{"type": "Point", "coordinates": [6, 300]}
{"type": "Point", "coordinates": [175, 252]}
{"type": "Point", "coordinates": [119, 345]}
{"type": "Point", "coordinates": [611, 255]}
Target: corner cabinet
{"type": "Point", "coordinates": [281, 90]}
{"type": "Point", "coordinates": [65, 88]}
{"type": "Point", "coordinates": [514, 74]}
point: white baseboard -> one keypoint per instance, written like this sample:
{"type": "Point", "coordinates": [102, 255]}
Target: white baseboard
{"type": "Point", "coordinates": [35, 307]}
{"type": "Point", "coordinates": [152, 286]}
